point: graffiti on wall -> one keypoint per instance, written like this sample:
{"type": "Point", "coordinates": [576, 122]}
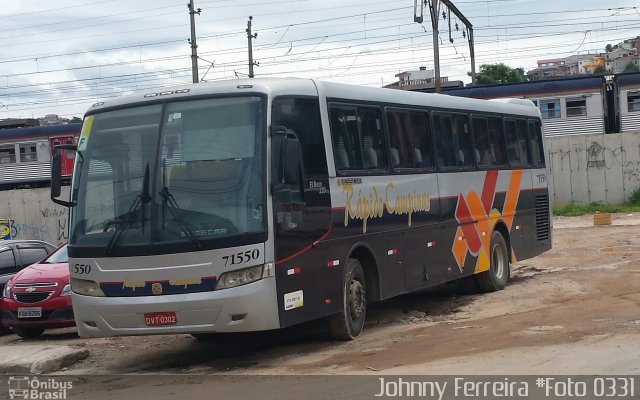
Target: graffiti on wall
{"type": "Point", "coordinates": [42, 230]}
{"type": "Point", "coordinates": [60, 216]}
{"type": "Point", "coordinates": [29, 231]}
{"type": "Point", "coordinates": [5, 228]}
{"type": "Point", "coordinates": [599, 157]}
{"type": "Point", "coordinates": [601, 168]}
{"type": "Point", "coordinates": [631, 171]}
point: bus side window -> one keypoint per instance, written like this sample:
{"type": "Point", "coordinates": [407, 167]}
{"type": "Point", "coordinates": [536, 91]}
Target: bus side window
{"type": "Point", "coordinates": [401, 149]}
{"type": "Point", "coordinates": [482, 150]}
{"type": "Point", "coordinates": [346, 141]}
{"type": "Point", "coordinates": [358, 141]}
{"type": "Point", "coordinates": [516, 143]}
{"type": "Point", "coordinates": [535, 141]}
{"type": "Point", "coordinates": [462, 139]}
{"type": "Point", "coordinates": [445, 147]}
{"type": "Point", "coordinates": [421, 138]}
{"type": "Point", "coordinates": [496, 139]}
{"type": "Point", "coordinates": [373, 148]}
{"type": "Point", "coordinates": [302, 116]}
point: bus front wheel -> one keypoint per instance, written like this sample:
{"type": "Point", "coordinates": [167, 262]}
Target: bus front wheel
{"type": "Point", "coordinates": [348, 324]}
{"type": "Point", "coordinates": [497, 276]}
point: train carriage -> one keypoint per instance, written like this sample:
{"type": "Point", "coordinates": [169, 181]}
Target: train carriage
{"type": "Point", "coordinates": [576, 105]}
{"type": "Point", "coordinates": [627, 91]}
{"type": "Point", "coordinates": [569, 106]}
{"type": "Point", "coordinates": [25, 154]}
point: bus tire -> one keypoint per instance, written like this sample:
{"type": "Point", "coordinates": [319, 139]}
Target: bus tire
{"type": "Point", "coordinates": [497, 276]}
{"type": "Point", "coordinates": [348, 324]}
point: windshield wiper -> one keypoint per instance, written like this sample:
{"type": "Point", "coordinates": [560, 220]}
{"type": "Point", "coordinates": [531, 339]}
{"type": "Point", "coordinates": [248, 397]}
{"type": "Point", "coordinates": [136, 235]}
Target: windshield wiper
{"type": "Point", "coordinates": [170, 202]}
{"type": "Point", "coordinates": [138, 203]}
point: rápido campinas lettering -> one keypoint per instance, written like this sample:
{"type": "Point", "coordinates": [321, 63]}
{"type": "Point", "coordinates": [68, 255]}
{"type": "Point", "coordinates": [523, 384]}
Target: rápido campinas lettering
{"type": "Point", "coordinates": [364, 205]}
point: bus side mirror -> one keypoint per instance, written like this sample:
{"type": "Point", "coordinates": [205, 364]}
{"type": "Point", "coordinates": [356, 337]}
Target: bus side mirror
{"type": "Point", "coordinates": [286, 148]}
{"type": "Point", "coordinates": [56, 174]}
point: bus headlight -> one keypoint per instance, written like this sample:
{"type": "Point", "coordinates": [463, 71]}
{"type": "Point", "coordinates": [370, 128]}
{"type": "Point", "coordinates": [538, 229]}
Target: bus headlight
{"type": "Point", "coordinates": [87, 288]}
{"type": "Point", "coordinates": [240, 277]}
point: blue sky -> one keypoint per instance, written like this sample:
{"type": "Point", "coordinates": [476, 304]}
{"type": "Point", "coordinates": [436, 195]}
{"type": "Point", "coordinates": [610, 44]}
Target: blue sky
{"type": "Point", "coordinates": [60, 59]}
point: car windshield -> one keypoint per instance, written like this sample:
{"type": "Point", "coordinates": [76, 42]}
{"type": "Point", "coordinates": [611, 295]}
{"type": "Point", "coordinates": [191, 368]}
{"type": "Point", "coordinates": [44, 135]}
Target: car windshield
{"type": "Point", "coordinates": [58, 256]}
{"type": "Point", "coordinates": [178, 172]}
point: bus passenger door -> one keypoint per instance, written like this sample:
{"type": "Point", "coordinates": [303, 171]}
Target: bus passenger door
{"type": "Point", "coordinates": [301, 212]}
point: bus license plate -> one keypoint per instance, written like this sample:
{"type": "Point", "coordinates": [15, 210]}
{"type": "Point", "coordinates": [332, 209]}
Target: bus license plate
{"type": "Point", "coordinates": [29, 312]}
{"type": "Point", "coordinates": [160, 318]}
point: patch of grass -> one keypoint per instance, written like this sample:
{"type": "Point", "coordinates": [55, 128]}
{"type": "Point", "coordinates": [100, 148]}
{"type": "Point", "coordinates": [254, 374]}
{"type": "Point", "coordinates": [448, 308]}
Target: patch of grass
{"type": "Point", "coordinates": [634, 199]}
{"type": "Point", "coordinates": [570, 210]}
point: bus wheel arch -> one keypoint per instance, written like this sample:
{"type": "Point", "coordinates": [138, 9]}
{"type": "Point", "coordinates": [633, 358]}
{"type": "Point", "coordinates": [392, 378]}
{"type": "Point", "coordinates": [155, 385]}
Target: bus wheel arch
{"type": "Point", "coordinates": [364, 254]}
{"type": "Point", "coordinates": [501, 227]}
{"type": "Point", "coordinates": [360, 284]}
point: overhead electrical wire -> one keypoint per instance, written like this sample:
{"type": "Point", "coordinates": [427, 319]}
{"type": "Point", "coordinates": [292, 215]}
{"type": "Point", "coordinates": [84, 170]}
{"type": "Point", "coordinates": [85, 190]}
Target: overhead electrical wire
{"type": "Point", "coordinates": [298, 53]}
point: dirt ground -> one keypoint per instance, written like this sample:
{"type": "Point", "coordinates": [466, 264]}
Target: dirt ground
{"type": "Point", "coordinates": [573, 310]}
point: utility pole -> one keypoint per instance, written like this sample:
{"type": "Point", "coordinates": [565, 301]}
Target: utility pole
{"type": "Point", "coordinates": [469, 27]}
{"type": "Point", "coordinates": [434, 11]}
{"type": "Point", "coordinates": [192, 41]}
{"type": "Point", "coordinates": [250, 38]}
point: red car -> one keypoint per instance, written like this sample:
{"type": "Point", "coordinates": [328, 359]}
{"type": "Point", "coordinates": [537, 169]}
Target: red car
{"type": "Point", "coordinates": [39, 297]}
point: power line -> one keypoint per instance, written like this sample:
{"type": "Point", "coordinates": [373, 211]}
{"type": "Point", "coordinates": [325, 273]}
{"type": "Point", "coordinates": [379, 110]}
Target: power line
{"type": "Point", "coordinates": [55, 9]}
{"type": "Point", "coordinates": [356, 59]}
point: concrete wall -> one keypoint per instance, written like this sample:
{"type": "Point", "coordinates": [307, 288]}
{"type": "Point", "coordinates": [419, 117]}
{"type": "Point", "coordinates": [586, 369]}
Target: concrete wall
{"type": "Point", "coordinates": [34, 215]}
{"type": "Point", "coordinates": [594, 168]}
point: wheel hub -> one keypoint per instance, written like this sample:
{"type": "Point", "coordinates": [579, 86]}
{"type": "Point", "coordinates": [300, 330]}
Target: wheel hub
{"type": "Point", "coordinates": [498, 261]}
{"type": "Point", "coordinates": [356, 299]}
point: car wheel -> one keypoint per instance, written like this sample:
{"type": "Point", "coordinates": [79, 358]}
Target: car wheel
{"type": "Point", "coordinates": [28, 333]}
{"type": "Point", "coordinates": [348, 324]}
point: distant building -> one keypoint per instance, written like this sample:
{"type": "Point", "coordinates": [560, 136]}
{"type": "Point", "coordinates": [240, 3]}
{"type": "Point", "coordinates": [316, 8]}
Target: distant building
{"type": "Point", "coordinates": [590, 66]}
{"type": "Point", "coordinates": [612, 62]}
{"type": "Point", "coordinates": [420, 79]}
{"type": "Point", "coordinates": [573, 62]}
{"type": "Point", "coordinates": [549, 68]}
{"type": "Point", "coordinates": [53, 119]}
{"type": "Point", "coordinates": [620, 57]}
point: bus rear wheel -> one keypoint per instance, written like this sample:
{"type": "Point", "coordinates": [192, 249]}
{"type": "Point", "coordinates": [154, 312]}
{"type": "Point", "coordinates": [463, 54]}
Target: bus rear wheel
{"type": "Point", "coordinates": [497, 276]}
{"type": "Point", "coordinates": [348, 324]}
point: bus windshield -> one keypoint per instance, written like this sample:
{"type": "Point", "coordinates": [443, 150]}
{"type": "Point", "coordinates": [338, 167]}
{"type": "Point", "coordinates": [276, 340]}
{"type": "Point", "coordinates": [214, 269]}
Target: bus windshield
{"type": "Point", "coordinates": [188, 171]}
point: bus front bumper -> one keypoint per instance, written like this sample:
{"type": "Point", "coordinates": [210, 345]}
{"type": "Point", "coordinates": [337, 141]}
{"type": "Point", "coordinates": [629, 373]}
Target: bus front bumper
{"type": "Point", "coordinates": [251, 307]}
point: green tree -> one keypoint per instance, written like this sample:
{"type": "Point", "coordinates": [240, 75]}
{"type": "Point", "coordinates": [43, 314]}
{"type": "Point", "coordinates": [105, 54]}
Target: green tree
{"type": "Point", "coordinates": [499, 73]}
{"type": "Point", "coordinates": [75, 120]}
{"type": "Point", "coordinates": [600, 70]}
{"type": "Point", "coordinates": [631, 67]}
{"type": "Point", "coordinates": [608, 48]}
